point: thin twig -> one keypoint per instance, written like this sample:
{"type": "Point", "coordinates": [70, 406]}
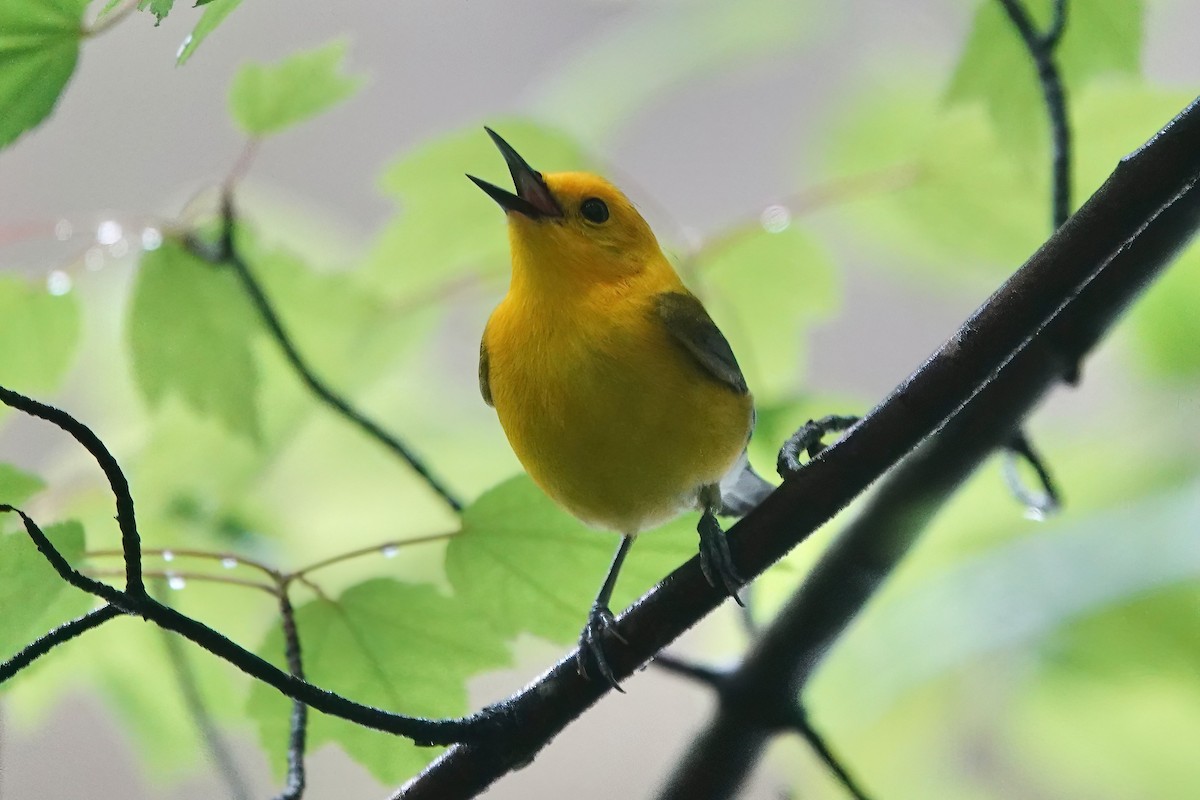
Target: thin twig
{"type": "Point", "coordinates": [380, 549]}
{"type": "Point", "coordinates": [110, 19]}
{"type": "Point", "coordinates": [185, 576]}
{"type": "Point", "coordinates": [64, 569]}
{"type": "Point", "coordinates": [63, 633]}
{"type": "Point", "coordinates": [214, 743]}
{"type": "Point", "coordinates": [294, 789]}
{"type": "Point", "coordinates": [170, 553]}
{"type": "Point", "coordinates": [131, 543]}
{"type": "Point", "coordinates": [1038, 504]}
{"type": "Point", "coordinates": [229, 254]}
{"type": "Point", "coordinates": [1041, 48]}
{"type": "Point", "coordinates": [689, 669]}
{"type": "Point", "coordinates": [421, 730]}
{"type": "Point", "coordinates": [803, 727]}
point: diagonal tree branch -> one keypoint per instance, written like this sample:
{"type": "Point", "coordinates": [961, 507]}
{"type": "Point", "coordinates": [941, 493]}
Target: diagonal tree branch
{"type": "Point", "coordinates": [903, 506]}
{"type": "Point", "coordinates": [63, 633]}
{"type": "Point", "coordinates": [865, 553]}
{"type": "Point", "coordinates": [1129, 207]}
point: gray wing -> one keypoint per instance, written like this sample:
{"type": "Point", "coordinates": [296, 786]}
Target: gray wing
{"type": "Point", "coordinates": [485, 388]}
{"type": "Point", "coordinates": [690, 325]}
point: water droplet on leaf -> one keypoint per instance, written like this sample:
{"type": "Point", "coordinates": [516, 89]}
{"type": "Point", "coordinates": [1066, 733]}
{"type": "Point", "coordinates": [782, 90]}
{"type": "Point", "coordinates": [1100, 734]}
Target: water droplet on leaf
{"type": "Point", "coordinates": [775, 219]}
{"type": "Point", "coordinates": [58, 283]}
{"type": "Point", "coordinates": [109, 232]}
{"type": "Point", "coordinates": [151, 239]}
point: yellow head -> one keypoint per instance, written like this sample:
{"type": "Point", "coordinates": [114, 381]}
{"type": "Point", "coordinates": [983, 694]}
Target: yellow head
{"type": "Point", "coordinates": [570, 227]}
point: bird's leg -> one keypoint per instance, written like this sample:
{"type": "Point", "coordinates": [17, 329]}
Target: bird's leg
{"type": "Point", "coordinates": [716, 562]}
{"type": "Point", "coordinates": [808, 440]}
{"type": "Point", "coordinates": [601, 621]}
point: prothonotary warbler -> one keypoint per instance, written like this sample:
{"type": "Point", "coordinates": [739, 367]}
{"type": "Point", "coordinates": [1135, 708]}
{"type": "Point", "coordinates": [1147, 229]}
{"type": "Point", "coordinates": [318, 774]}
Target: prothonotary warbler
{"type": "Point", "coordinates": [616, 390]}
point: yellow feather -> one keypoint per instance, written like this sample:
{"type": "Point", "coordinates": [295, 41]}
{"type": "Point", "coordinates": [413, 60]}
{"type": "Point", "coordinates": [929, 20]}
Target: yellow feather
{"type": "Point", "coordinates": [608, 412]}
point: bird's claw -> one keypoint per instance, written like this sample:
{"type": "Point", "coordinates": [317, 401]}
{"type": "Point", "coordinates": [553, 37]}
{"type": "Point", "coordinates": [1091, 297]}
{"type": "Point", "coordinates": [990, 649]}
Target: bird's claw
{"type": "Point", "coordinates": [716, 562]}
{"type": "Point", "coordinates": [600, 623]}
{"type": "Point", "coordinates": [808, 440]}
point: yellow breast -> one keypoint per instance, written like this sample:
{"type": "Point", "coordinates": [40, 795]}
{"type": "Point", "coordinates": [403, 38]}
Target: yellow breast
{"type": "Point", "coordinates": [609, 414]}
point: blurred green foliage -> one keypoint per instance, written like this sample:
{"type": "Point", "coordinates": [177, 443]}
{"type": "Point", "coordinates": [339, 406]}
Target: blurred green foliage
{"type": "Point", "coordinates": [1005, 658]}
{"type": "Point", "coordinates": [265, 99]}
{"type": "Point", "coordinates": [39, 45]}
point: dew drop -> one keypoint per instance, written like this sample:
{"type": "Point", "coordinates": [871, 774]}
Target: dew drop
{"type": "Point", "coordinates": [168, 555]}
{"type": "Point", "coordinates": [229, 563]}
{"type": "Point", "coordinates": [389, 551]}
{"type": "Point", "coordinates": [183, 46]}
{"type": "Point", "coordinates": [93, 259]}
{"type": "Point", "coordinates": [109, 232]}
{"type": "Point", "coordinates": [63, 230]}
{"type": "Point", "coordinates": [58, 283]}
{"type": "Point", "coordinates": [151, 239]}
{"type": "Point", "coordinates": [1035, 514]}
{"type": "Point", "coordinates": [775, 219]}
{"type": "Point", "coordinates": [176, 581]}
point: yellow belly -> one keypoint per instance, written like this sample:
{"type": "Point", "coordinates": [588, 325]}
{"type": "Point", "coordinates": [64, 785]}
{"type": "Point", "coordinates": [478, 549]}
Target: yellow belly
{"type": "Point", "coordinates": [608, 414]}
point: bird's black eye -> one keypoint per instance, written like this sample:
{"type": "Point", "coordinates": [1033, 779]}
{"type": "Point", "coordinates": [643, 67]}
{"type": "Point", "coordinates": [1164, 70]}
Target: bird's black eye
{"type": "Point", "coordinates": [594, 210]}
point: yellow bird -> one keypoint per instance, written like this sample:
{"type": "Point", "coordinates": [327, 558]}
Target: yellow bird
{"type": "Point", "coordinates": [616, 390]}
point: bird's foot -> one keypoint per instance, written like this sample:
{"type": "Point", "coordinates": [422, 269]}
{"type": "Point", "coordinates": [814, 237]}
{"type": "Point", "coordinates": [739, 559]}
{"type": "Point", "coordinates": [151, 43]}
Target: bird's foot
{"type": "Point", "coordinates": [600, 624]}
{"type": "Point", "coordinates": [808, 440]}
{"type": "Point", "coordinates": [716, 562]}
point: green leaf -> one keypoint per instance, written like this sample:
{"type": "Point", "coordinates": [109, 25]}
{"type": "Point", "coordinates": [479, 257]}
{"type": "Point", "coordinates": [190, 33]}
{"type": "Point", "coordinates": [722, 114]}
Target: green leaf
{"type": "Point", "coordinates": [1101, 37]}
{"type": "Point", "coordinates": [447, 229]}
{"type": "Point", "coordinates": [527, 565]}
{"type": "Point", "coordinates": [955, 201]}
{"type": "Point", "coordinates": [402, 647]}
{"type": "Point", "coordinates": [39, 45]}
{"type": "Point", "coordinates": [190, 330]}
{"type": "Point", "coordinates": [948, 195]}
{"type": "Point", "coordinates": [213, 15]}
{"type": "Point", "coordinates": [29, 586]}
{"type": "Point", "coordinates": [38, 336]}
{"type": "Point", "coordinates": [159, 8]}
{"type": "Point", "coordinates": [765, 289]}
{"type": "Point", "coordinates": [17, 486]}
{"type": "Point", "coordinates": [266, 99]}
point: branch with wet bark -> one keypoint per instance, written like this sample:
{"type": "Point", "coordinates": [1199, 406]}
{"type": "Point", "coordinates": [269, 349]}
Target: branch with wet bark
{"type": "Point", "coordinates": [1106, 252]}
{"type": "Point", "coordinates": [778, 667]}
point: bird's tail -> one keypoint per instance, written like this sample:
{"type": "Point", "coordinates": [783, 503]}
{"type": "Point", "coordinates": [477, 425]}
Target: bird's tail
{"type": "Point", "coordinates": [743, 489]}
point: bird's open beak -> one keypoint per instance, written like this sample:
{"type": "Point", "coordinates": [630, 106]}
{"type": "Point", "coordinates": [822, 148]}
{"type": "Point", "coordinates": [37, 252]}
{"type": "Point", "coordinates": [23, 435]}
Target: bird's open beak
{"type": "Point", "coordinates": [533, 197]}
